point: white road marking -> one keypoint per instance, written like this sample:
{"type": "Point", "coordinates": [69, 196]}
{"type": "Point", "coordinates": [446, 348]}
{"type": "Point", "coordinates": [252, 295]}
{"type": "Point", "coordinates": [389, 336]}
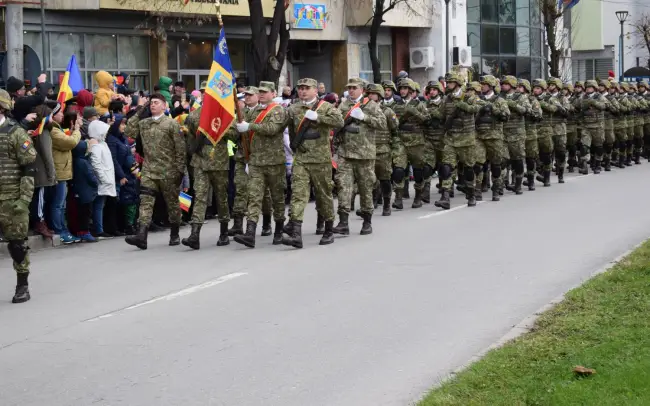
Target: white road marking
{"type": "Point", "coordinates": [441, 211]}
{"type": "Point", "coordinates": [578, 177]}
{"type": "Point", "coordinates": [174, 295]}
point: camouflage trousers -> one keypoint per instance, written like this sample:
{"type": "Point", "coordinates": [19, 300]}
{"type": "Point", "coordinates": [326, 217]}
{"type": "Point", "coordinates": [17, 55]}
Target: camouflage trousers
{"type": "Point", "coordinates": [489, 150]}
{"type": "Point", "coordinates": [545, 146]}
{"type": "Point", "coordinates": [572, 147]}
{"type": "Point", "coordinates": [169, 188]}
{"type": "Point", "coordinates": [266, 179]}
{"type": "Point", "coordinates": [240, 205]}
{"type": "Point", "coordinates": [452, 156]}
{"type": "Point", "coordinates": [610, 139]}
{"type": "Point", "coordinates": [320, 176]}
{"type": "Point", "coordinates": [14, 224]}
{"type": "Point", "coordinates": [593, 138]}
{"type": "Point", "coordinates": [361, 171]}
{"type": "Point", "coordinates": [383, 166]}
{"type": "Point", "coordinates": [638, 138]}
{"type": "Point", "coordinates": [202, 182]}
{"type": "Point", "coordinates": [433, 149]}
{"type": "Point", "coordinates": [413, 155]}
{"type": "Point", "coordinates": [559, 148]}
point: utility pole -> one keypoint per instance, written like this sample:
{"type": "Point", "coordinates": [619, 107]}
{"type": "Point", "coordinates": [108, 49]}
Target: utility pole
{"type": "Point", "coordinates": [621, 16]}
{"type": "Point", "coordinates": [14, 37]}
{"type": "Point", "coordinates": [44, 37]}
{"type": "Point", "coordinates": [447, 24]}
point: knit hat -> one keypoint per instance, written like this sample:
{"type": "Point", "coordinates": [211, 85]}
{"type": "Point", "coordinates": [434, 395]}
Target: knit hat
{"type": "Point", "coordinates": [14, 84]}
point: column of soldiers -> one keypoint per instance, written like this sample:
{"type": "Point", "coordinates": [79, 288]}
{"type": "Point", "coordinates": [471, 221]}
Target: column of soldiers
{"type": "Point", "coordinates": [488, 134]}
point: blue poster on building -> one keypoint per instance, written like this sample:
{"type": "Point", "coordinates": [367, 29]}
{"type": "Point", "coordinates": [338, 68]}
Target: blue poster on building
{"type": "Point", "coordinates": [309, 16]}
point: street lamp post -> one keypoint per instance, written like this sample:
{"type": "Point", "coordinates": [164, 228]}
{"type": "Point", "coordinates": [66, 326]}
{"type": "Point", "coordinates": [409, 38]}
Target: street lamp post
{"type": "Point", "coordinates": [622, 16]}
{"type": "Point", "coordinates": [448, 55]}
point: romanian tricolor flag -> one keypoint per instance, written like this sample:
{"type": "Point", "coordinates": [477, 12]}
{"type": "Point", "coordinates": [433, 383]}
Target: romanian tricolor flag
{"type": "Point", "coordinates": [185, 200]}
{"type": "Point", "coordinates": [195, 105]}
{"type": "Point", "coordinates": [218, 110]}
{"type": "Point", "coordinates": [41, 126]}
{"type": "Point", "coordinates": [71, 82]}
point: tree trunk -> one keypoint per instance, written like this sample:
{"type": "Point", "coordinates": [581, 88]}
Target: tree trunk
{"type": "Point", "coordinates": [554, 52]}
{"type": "Point", "coordinates": [267, 62]}
{"type": "Point", "coordinates": [377, 19]}
{"type": "Point", "coordinates": [258, 39]}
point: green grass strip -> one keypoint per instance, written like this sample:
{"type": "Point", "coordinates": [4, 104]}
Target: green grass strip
{"type": "Point", "coordinates": [604, 325]}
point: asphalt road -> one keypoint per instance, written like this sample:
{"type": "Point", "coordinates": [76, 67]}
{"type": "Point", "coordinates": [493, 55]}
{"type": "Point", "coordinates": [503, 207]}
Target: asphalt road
{"type": "Point", "coordinates": [373, 320]}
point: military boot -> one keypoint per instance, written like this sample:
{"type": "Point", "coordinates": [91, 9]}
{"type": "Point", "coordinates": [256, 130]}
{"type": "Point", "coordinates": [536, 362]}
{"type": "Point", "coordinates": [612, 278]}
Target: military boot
{"type": "Point", "coordinates": [417, 201]}
{"type": "Point", "coordinates": [398, 203]}
{"type": "Point", "coordinates": [495, 193]}
{"type": "Point", "coordinates": [266, 226]}
{"type": "Point", "coordinates": [621, 161]}
{"type": "Point", "coordinates": [359, 213]}
{"type": "Point", "coordinates": [530, 181]}
{"type": "Point", "coordinates": [328, 234]}
{"type": "Point", "coordinates": [320, 225]}
{"type": "Point", "coordinates": [174, 237]}
{"type": "Point", "coordinates": [596, 167]}
{"type": "Point", "coordinates": [140, 239]}
{"type": "Point", "coordinates": [386, 193]}
{"type": "Point", "coordinates": [608, 164]}
{"type": "Point", "coordinates": [223, 234]}
{"type": "Point", "coordinates": [540, 177]}
{"type": "Point", "coordinates": [584, 168]}
{"type": "Point", "coordinates": [22, 294]}
{"type": "Point", "coordinates": [560, 174]}
{"type": "Point", "coordinates": [295, 240]}
{"type": "Point", "coordinates": [477, 194]}
{"type": "Point", "coordinates": [288, 228]}
{"type": "Point", "coordinates": [406, 194]}
{"type": "Point", "coordinates": [451, 192]}
{"type": "Point", "coordinates": [443, 203]}
{"type": "Point", "coordinates": [277, 236]}
{"type": "Point", "coordinates": [366, 228]}
{"type": "Point", "coordinates": [426, 192]}
{"type": "Point", "coordinates": [637, 157]}
{"type": "Point", "coordinates": [194, 240]}
{"type": "Point", "coordinates": [247, 239]}
{"type": "Point", "coordinates": [486, 182]}
{"type": "Point", "coordinates": [237, 226]}
{"type": "Point", "coordinates": [342, 227]}
{"type": "Point", "coordinates": [628, 160]}
{"type": "Point", "coordinates": [518, 181]}
{"type": "Point", "coordinates": [469, 194]}
{"type": "Point", "coordinates": [376, 196]}
{"type": "Point", "coordinates": [547, 177]}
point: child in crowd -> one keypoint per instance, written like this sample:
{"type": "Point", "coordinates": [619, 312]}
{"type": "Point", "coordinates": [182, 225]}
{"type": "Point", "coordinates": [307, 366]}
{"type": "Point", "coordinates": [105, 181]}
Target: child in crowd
{"type": "Point", "coordinates": [102, 163]}
{"type": "Point", "coordinates": [84, 187]}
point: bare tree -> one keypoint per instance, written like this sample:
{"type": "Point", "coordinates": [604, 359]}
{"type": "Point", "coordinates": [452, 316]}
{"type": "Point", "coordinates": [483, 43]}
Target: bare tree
{"type": "Point", "coordinates": [641, 31]}
{"type": "Point", "coordinates": [550, 15]}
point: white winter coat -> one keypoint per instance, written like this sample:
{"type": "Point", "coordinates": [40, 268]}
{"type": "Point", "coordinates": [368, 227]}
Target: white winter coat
{"type": "Point", "coordinates": [101, 159]}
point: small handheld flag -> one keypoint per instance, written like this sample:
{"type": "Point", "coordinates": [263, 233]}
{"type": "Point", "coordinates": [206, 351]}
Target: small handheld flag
{"type": "Point", "coordinates": [185, 201]}
{"type": "Point", "coordinates": [71, 82]}
{"type": "Point", "coordinates": [41, 126]}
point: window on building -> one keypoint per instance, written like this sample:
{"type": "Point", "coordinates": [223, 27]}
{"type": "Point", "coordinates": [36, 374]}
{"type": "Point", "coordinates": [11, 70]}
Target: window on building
{"type": "Point", "coordinates": [384, 53]}
{"type": "Point", "coordinates": [508, 40]}
{"type": "Point", "coordinates": [523, 13]}
{"type": "Point", "coordinates": [474, 38]}
{"type": "Point", "coordinates": [507, 11]}
{"type": "Point", "coordinates": [523, 41]}
{"type": "Point", "coordinates": [490, 39]}
{"type": "Point", "coordinates": [474, 10]}
{"type": "Point", "coordinates": [489, 11]}
{"type": "Point", "coordinates": [101, 51]}
{"type": "Point", "coordinates": [63, 46]}
{"type": "Point", "coordinates": [585, 69]}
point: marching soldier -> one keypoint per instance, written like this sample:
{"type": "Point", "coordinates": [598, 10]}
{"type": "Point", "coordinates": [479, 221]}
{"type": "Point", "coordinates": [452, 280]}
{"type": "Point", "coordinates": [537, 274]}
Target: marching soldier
{"type": "Point", "coordinates": [533, 116]}
{"type": "Point", "coordinates": [310, 122]}
{"type": "Point", "coordinates": [645, 95]}
{"type": "Point", "coordinates": [356, 153]}
{"type": "Point", "coordinates": [631, 122]}
{"type": "Point", "coordinates": [460, 140]}
{"type": "Point", "coordinates": [639, 122]}
{"type": "Point", "coordinates": [17, 160]}
{"type": "Point", "coordinates": [558, 121]}
{"type": "Point", "coordinates": [593, 105]}
{"type": "Point", "coordinates": [389, 92]}
{"type": "Point", "coordinates": [434, 134]}
{"type": "Point", "coordinates": [605, 88]}
{"type": "Point", "coordinates": [571, 127]}
{"type": "Point", "coordinates": [266, 163]}
{"type": "Point", "coordinates": [515, 129]}
{"type": "Point", "coordinates": [620, 126]}
{"type": "Point", "coordinates": [160, 142]}
{"type": "Point", "coordinates": [545, 129]}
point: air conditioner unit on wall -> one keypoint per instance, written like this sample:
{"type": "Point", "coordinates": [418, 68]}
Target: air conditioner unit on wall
{"type": "Point", "coordinates": [462, 56]}
{"type": "Point", "coordinates": [421, 57]}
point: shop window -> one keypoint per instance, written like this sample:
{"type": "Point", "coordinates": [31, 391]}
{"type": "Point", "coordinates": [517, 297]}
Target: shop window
{"type": "Point", "coordinates": [101, 51]}
{"type": "Point", "coordinates": [523, 41]}
{"type": "Point", "coordinates": [196, 55]}
{"type": "Point", "coordinates": [508, 41]}
{"type": "Point", "coordinates": [489, 11]}
{"type": "Point", "coordinates": [489, 39]}
{"type": "Point", "coordinates": [523, 13]}
{"type": "Point", "coordinates": [33, 40]}
{"type": "Point", "coordinates": [474, 10]}
{"type": "Point", "coordinates": [474, 38]}
{"type": "Point", "coordinates": [62, 46]}
{"type": "Point", "coordinates": [507, 11]}
{"type": "Point", "coordinates": [134, 52]}
{"type": "Point", "coordinates": [172, 54]}
{"type": "Point", "coordinates": [384, 56]}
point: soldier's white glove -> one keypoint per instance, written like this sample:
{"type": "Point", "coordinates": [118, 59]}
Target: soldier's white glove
{"type": "Point", "coordinates": [358, 114]}
{"type": "Point", "coordinates": [242, 127]}
{"type": "Point", "coordinates": [246, 169]}
{"type": "Point", "coordinates": [311, 115]}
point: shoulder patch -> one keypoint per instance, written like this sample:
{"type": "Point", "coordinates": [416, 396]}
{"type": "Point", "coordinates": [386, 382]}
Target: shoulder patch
{"type": "Point", "coordinates": [26, 144]}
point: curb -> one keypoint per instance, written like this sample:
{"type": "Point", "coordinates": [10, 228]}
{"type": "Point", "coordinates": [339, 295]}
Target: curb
{"type": "Point", "coordinates": [527, 324]}
{"type": "Point", "coordinates": [36, 243]}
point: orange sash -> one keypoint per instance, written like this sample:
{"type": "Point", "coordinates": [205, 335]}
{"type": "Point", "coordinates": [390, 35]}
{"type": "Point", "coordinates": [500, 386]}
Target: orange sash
{"type": "Point", "coordinates": [320, 103]}
{"type": "Point", "coordinates": [260, 117]}
{"type": "Point", "coordinates": [365, 100]}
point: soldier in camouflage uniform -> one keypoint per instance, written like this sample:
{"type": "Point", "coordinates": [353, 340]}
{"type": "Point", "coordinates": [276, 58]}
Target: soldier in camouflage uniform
{"type": "Point", "coordinates": [549, 107]}
{"type": "Point", "coordinates": [312, 162]}
{"type": "Point", "coordinates": [620, 126]}
{"type": "Point", "coordinates": [434, 134]}
{"type": "Point", "coordinates": [389, 92]}
{"type": "Point", "coordinates": [493, 113]}
{"type": "Point", "coordinates": [515, 129]}
{"type": "Point", "coordinates": [631, 122]}
{"type": "Point", "coordinates": [558, 120]}
{"type": "Point", "coordinates": [460, 139]}
{"type": "Point", "coordinates": [240, 204]}
{"type": "Point", "coordinates": [645, 95]}
{"type": "Point", "coordinates": [162, 145]}
{"type": "Point", "coordinates": [17, 171]}
{"type": "Point", "coordinates": [412, 115]}
{"type": "Point", "coordinates": [363, 117]}
{"type": "Point", "coordinates": [571, 128]}
{"type": "Point", "coordinates": [639, 122]}
{"type": "Point", "coordinates": [533, 116]}
{"type": "Point", "coordinates": [604, 87]}
{"type": "Point", "coordinates": [210, 164]}
{"type": "Point", "coordinates": [592, 108]}
{"type": "Point", "coordinates": [385, 142]}
{"type": "Point", "coordinates": [266, 163]}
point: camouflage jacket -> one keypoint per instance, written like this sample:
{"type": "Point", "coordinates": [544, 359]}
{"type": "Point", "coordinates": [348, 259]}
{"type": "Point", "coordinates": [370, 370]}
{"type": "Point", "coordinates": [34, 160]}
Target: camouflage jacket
{"type": "Point", "coordinates": [358, 137]}
{"type": "Point", "coordinates": [593, 108]}
{"type": "Point", "coordinates": [206, 156]}
{"type": "Point", "coordinates": [388, 140]}
{"type": "Point", "coordinates": [611, 111]}
{"type": "Point", "coordinates": [249, 113]}
{"type": "Point", "coordinates": [519, 106]}
{"type": "Point", "coordinates": [572, 119]}
{"type": "Point", "coordinates": [549, 107]}
{"type": "Point", "coordinates": [646, 98]}
{"type": "Point", "coordinates": [16, 151]}
{"type": "Point", "coordinates": [434, 130]}
{"type": "Point", "coordinates": [620, 121]}
{"type": "Point", "coordinates": [266, 134]}
{"type": "Point", "coordinates": [493, 113]}
{"type": "Point", "coordinates": [316, 149]}
{"type": "Point", "coordinates": [629, 105]}
{"type": "Point", "coordinates": [163, 147]}
{"type": "Point", "coordinates": [459, 111]}
{"type": "Point", "coordinates": [642, 108]}
{"type": "Point", "coordinates": [558, 119]}
{"type": "Point", "coordinates": [533, 117]}
{"type": "Point", "coordinates": [412, 115]}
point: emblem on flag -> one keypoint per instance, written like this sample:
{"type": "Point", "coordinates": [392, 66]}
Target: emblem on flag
{"type": "Point", "coordinates": [221, 85]}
